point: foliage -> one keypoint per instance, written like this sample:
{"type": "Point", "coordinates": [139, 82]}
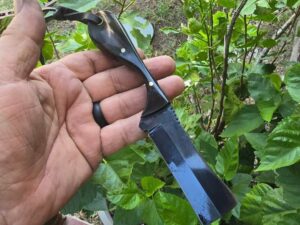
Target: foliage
{"type": "Point", "coordinates": [241, 109]}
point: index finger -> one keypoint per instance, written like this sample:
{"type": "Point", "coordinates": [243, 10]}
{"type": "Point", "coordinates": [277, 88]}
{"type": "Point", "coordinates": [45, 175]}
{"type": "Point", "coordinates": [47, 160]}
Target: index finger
{"type": "Point", "coordinates": [21, 42]}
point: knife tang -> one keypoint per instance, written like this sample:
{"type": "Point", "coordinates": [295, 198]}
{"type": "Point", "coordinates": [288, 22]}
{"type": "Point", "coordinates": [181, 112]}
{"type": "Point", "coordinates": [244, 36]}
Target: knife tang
{"type": "Point", "coordinates": [208, 195]}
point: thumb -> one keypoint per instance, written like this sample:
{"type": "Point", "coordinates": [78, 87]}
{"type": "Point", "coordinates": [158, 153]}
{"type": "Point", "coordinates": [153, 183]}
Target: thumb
{"type": "Point", "coordinates": [18, 5]}
{"type": "Point", "coordinates": [21, 42]}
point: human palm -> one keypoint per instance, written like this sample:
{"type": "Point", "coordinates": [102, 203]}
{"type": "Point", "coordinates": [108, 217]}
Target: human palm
{"type": "Point", "coordinates": [49, 142]}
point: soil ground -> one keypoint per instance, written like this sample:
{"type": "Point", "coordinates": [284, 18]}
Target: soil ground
{"type": "Point", "coordinates": [161, 13]}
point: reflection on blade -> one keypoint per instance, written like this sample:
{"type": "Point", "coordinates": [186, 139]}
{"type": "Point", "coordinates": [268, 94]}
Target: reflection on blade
{"type": "Point", "coordinates": [209, 197]}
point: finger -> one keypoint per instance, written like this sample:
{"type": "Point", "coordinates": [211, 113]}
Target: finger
{"type": "Point", "coordinates": [120, 134]}
{"type": "Point", "coordinates": [128, 103]}
{"type": "Point", "coordinates": [20, 43]}
{"type": "Point", "coordinates": [87, 63]}
{"type": "Point", "coordinates": [120, 79]}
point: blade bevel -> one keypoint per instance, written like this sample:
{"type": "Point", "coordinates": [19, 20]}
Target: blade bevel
{"type": "Point", "coordinates": [209, 197]}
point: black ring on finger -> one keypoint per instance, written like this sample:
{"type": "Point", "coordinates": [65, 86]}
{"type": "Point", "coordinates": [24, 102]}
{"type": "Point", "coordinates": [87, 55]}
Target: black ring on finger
{"type": "Point", "coordinates": [98, 115]}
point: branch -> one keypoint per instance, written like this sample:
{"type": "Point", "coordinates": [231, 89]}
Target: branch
{"type": "Point", "coordinates": [227, 40]}
{"type": "Point", "coordinates": [246, 52]}
{"type": "Point", "coordinates": [11, 12]}
{"type": "Point", "coordinates": [53, 44]}
{"type": "Point", "coordinates": [212, 65]}
{"type": "Point", "coordinates": [288, 24]}
{"type": "Point", "coordinates": [256, 45]}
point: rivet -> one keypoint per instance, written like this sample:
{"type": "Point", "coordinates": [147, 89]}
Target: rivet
{"type": "Point", "coordinates": [123, 50]}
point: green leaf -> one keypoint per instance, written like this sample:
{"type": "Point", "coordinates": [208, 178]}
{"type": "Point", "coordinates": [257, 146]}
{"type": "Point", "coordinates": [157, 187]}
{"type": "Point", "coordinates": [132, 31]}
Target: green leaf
{"type": "Point", "coordinates": [283, 147]}
{"type": "Point", "coordinates": [145, 213]}
{"type": "Point", "coordinates": [240, 187]}
{"type": "Point", "coordinates": [258, 141]}
{"type": "Point", "coordinates": [288, 105]}
{"type": "Point", "coordinates": [266, 96]}
{"type": "Point", "coordinates": [262, 69]}
{"type": "Point", "coordinates": [151, 214]}
{"type": "Point", "coordinates": [289, 179]}
{"type": "Point", "coordinates": [275, 208]}
{"type": "Point", "coordinates": [232, 104]}
{"type": "Point", "coordinates": [263, 3]}
{"type": "Point", "coordinates": [123, 162]}
{"type": "Point", "coordinates": [266, 206]}
{"type": "Point", "coordinates": [268, 43]}
{"type": "Point", "coordinates": [79, 5]}
{"type": "Point", "coordinates": [240, 123]}
{"type": "Point", "coordinates": [291, 3]}
{"type": "Point", "coordinates": [98, 204]}
{"type": "Point", "coordinates": [208, 147]}
{"type": "Point", "coordinates": [194, 25]}
{"type": "Point", "coordinates": [227, 3]}
{"type": "Point", "coordinates": [251, 210]}
{"type": "Point", "coordinates": [107, 177]}
{"type": "Point", "coordinates": [174, 210]}
{"type": "Point", "coordinates": [4, 23]}
{"type": "Point", "coordinates": [129, 197]}
{"type": "Point", "coordinates": [127, 217]}
{"type": "Point", "coordinates": [170, 30]}
{"type": "Point", "coordinates": [292, 81]}
{"type": "Point", "coordinates": [249, 8]}
{"type": "Point", "coordinates": [228, 159]}
{"type": "Point", "coordinates": [86, 194]}
{"type": "Point", "coordinates": [139, 30]}
{"type": "Point", "coordinates": [151, 185]}
{"type": "Point", "coordinates": [47, 50]}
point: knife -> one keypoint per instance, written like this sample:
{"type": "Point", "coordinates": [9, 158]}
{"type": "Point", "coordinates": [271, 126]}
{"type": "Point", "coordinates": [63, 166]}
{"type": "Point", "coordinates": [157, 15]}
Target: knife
{"type": "Point", "coordinates": [209, 197]}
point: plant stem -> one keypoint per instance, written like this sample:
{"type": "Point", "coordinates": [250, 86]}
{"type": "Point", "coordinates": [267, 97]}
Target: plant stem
{"type": "Point", "coordinates": [227, 40]}
{"type": "Point", "coordinates": [246, 52]}
{"type": "Point", "coordinates": [123, 5]}
{"type": "Point", "coordinates": [53, 44]}
{"type": "Point", "coordinates": [212, 65]}
{"type": "Point", "coordinates": [255, 46]}
{"type": "Point", "coordinates": [288, 24]}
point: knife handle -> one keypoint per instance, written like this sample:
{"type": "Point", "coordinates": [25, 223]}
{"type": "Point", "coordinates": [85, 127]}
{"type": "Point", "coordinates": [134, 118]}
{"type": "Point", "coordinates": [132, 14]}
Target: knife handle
{"type": "Point", "coordinates": [111, 37]}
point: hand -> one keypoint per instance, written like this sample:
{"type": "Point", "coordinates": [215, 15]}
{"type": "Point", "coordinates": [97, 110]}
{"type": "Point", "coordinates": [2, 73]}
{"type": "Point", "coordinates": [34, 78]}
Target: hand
{"type": "Point", "coordinates": [49, 142]}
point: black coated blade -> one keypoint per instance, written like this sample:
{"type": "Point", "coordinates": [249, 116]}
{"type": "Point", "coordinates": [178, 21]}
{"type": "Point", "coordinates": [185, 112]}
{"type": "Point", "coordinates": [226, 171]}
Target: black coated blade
{"type": "Point", "coordinates": [209, 197]}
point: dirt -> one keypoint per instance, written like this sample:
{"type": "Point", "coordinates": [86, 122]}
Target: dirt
{"type": "Point", "coordinates": [164, 13]}
{"type": "Point", "coordinates": [167, 13]}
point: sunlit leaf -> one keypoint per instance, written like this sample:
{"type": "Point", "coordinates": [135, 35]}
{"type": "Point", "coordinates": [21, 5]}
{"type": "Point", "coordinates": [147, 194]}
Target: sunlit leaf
{"type": "Point", "coordinates": [129, 197]}
{"type": "Point", "coordinates": [174, 210]}
{"type": "Point", "coordinates": [251, 210]}
{"type": "Point", "coordinates": [151, 185]}
{"type": "Point", "coordinates": [283, 147]}
{"type": "Point", "coordinates": [79, 5]}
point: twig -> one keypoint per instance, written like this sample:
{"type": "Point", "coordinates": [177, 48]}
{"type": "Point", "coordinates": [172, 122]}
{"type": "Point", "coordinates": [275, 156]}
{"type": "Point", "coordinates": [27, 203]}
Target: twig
{"type": "Point", "coordinates": [279, 52]}
{"type": "Point", "coordinates": [246, 51]}
{"type": "Point", "coordinates": [285, 43]}
{"type": "Point", "coordinates": [124, 7]}
{"type": "Point", "coordinates": [290, 23]}
{"type": "Point", "coordinates": [53, 44]}
{"type": "Point", "coordinates": [11, 12]}
{"type": "Point", "coordinates": [255, 46]}
{"type": "Point", "coordinates": [212, 68]}
{"type": "Point", "coordinates": [227, 40]}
